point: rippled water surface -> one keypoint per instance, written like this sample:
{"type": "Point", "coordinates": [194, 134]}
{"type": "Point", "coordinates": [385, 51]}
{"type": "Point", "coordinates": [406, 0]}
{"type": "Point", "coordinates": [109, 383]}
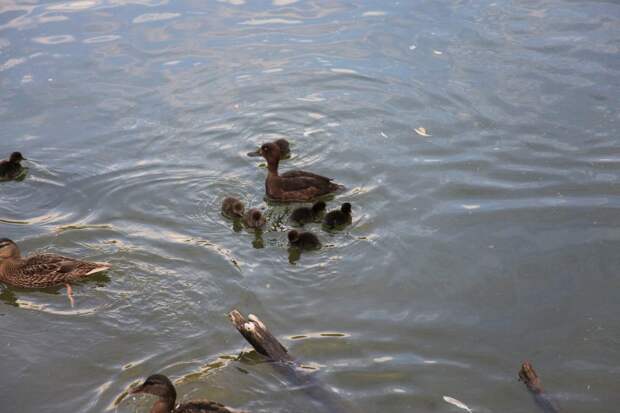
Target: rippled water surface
{"type": "Point", "coordinates": [479, 145]}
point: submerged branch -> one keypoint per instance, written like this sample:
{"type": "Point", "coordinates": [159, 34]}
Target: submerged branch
{"type": "Point", "coordinates": [528, 375]}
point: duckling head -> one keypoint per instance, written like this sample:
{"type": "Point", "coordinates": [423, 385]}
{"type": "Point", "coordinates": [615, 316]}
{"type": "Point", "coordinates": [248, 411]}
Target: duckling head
{"type": "Point", "coordinates": [318, 207]}
{"type": "Point", "coordinates": [293, 236]}
{"type": "Point", "coordinates": [8, 249]}
{"type": "Point", "coordinates": [346, 208]}
{"type": "Point", "coordinates": [256, 216]}
{"type": "Point", "coordinates": [16, 157]}
{"type": "Point", "coordinates": [158, 385]}
{"type": "Point", "coordinates": [238, 208]}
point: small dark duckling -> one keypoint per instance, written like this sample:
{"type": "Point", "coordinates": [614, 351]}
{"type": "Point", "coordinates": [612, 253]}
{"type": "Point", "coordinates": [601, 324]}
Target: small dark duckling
{"type": "Point", "coordinates": [254, 219]}
{"type": "Point", "coordinates": [12, 168]}
{"type": "Point", "coordinates": [283, 145]}
{"type": "Point", "coordinates": [338, 217]}
{"type": "Point", "coordinates": [161, 386]}
{"type": "Point", "coordinates": [303, 240]}
{"type": "Point", "coordinates": [233, 208]}
{"type": "Point", "coordinates": [304, 215]}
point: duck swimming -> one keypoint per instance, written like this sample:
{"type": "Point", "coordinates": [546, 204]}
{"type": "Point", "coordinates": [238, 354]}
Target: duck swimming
{"type": "Point", "coordinates": [292, 186]}
{"type": "Point", "coordinates": [304, 215]}
{"type": "Point", "coordinates": [12, 168]}
{"type": "Point", "coordinates": [338, 217]}
{"type": "Point", "coordinates": [254, 219]}
{"type": "Point", "coordinates": [161, 386]}
{"type": "Point", "coordinates": [303, 240]}
{"type": "Point", "coordinates": [283, 145]}
{"type": "Point", "coordinates": [43, 270]}
{"type": "Point", "coordinates": [232, 208]}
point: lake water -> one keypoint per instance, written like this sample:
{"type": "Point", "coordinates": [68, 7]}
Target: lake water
{"type": "Point", "coordinates": [479, 144]}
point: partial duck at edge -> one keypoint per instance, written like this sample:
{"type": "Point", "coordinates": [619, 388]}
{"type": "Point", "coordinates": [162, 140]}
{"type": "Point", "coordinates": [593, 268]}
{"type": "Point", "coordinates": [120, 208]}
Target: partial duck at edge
{"type": "Point", "coordinates": [11, 168]}
{"type": "Point", "coordinates": [161, 386]}
{"type": "Point", "coordinates": [43, 270]}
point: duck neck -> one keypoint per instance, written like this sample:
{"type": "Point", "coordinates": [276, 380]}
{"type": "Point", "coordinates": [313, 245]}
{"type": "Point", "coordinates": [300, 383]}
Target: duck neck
{"type": "Point", "coordinates": [272, 166]}
{"type": "Point", "coordinates": [163, 405]}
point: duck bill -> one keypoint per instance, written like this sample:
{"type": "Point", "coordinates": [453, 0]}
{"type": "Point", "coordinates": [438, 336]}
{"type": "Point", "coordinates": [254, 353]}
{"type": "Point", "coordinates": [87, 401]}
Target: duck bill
{"type": "Point", "coordinates": [254, 153]}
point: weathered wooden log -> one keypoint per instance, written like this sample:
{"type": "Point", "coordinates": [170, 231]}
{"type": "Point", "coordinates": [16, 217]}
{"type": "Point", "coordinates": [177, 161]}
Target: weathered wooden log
{"type": "Point", "coordinates": [257, 334]}
{"type": "Point", "coordinates": [261, 339]}
{"type": "Point", "coordinates": [528, 375]}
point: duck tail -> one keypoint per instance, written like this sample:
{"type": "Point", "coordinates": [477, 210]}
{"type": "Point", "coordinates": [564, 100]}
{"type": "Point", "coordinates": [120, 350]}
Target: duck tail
{"type": "Point", "coordinates": [333, 187]}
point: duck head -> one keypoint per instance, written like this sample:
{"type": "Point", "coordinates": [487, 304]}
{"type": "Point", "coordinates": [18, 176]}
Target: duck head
{"type": "Point", "coordinates": [271, 153]}
{"type": "Point", "coordinates": [293, 236]}
{"type": "Point", "coordinates": [16, 157]}
{"type": "Point", "coordinates": [283, 145]}
{"type": "Point", "coordinates": [345, 208]}
{"type": "Point", "coordinates": [8, 249]}
{"type": "Point", "coordinates": [157, 385]}
{"type": "Point", "coordinates": [318, 207]}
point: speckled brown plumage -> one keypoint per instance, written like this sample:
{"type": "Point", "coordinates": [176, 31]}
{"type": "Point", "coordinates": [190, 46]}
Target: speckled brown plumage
{"type": "Point", "coordinates": [42, 270]}
{"type": "Point", "coordinates": [293, 186]}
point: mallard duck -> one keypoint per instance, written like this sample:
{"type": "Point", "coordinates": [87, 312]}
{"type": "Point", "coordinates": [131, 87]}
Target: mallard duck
{"type": "Point", "coordinates": [303, 240]}
{"type": "Point", "coordinates": [283, 145]}
{"type": "Point", "coordinates": [12, 168]}
{"type": "Point", "coordinates": [338, 217]}
{"type": "Point", "coordinates": [304, 215]}
{"type": "Point", "coordinates": [254, 219]}
{"type": "Point", "coordinates": [161, 386]}
{"type": "Point", "coordinates": [233, 208]}
{"type": "Point", "coordinates": [43, 270]}
{"type": "Point", "coordinates": [292, 186]}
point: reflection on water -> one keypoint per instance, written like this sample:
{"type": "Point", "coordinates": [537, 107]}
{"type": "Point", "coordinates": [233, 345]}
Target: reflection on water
{"type": "Point", "coordinates": [477, 142]}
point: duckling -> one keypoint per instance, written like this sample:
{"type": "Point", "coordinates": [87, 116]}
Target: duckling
{"type": "Point", "coordinates": [303, 240]}
{"type": "Point", "coordinates": [292, 186]}
{"type": "Point", "coordinates": [43, 270]}
{"type": "Point", "coordinates": [254, 219]}
{"type": "Point", "coordinates": [161, 386]}
{"type": "Point", "coordinates": [304, 215]}
{"type": "Point", "coordinates": [283, 145]}
{"type": "Point", "coordinates": [12, 168]}
{"type": "Point", "coordinates": [232, 208]}
{"type": "Point", "coordinates": [338, 217]}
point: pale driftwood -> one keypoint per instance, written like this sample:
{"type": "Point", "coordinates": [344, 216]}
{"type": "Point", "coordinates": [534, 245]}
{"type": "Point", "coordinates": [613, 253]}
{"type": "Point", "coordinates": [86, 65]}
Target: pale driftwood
{"type": "Point", "coordinates": [257, 334]}
{"type": "Point", "coordinates": [261, 339]}
{"type": "Point", "coordinates": [528, 375]}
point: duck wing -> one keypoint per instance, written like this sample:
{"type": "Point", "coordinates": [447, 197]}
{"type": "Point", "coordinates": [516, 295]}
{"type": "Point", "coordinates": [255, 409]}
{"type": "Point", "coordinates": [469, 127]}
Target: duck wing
{"type": "Point", "coordinates": [302, 174]}
{"type": "Point", "coordinates": [48, 270]}
{"type": "Point", "coordinates": [204, 406]}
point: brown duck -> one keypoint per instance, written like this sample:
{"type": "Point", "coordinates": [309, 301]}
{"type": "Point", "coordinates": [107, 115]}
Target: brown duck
{"type": "Point", "coordinates": [43, 270]}
{"type": "Point", "coordinates": [293, 186]}
{"type": "Point", "coordinates": [159, 385]}
{"type": "Point", "coordinates": [11, 168]}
